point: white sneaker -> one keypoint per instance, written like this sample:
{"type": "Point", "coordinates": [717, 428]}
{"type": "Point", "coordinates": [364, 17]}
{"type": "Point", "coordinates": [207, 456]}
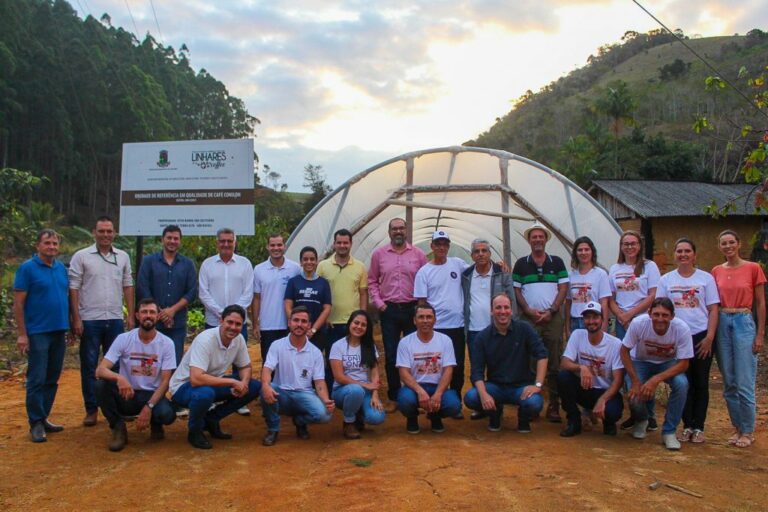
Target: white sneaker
{"type": "Point", "coordinates": [182, 413]}
{"type": "Point", "coordinates": [638, 431]}
{"type": "Point", "coordinates": [670, 441]}
{"type": "Point", "coordinates": [244, 411]}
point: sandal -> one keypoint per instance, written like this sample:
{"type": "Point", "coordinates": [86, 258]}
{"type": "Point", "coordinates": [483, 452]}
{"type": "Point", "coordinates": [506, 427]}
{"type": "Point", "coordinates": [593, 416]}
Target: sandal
{"type": "Point", "coordinates": [685, 435]}
{"type": "Point", "coordinates": [734, 438]}
{"type": "Point", "coordinates": [697, 436]}
{"type": "Point", "coordinates": [745, 441]}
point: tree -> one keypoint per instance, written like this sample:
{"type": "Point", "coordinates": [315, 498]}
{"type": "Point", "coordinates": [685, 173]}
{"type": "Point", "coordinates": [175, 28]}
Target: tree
{"type": "Point", "coordinates": [617, 103]}
{"type": "Point", "coordinates": [314, 180]}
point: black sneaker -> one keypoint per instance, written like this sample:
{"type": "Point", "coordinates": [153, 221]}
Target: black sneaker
{"type": "Point", "coordinates": [302, 432]}
{"type": "Point", "coordinates": [37, 432]}
{"type": "Point", "coordinates": [628, 423]}
{"type": "Point", "coordinates": [494, 422]}
{"type": "Point", "coordinates": [197, 439]}
{"type": "Point", "coordinates": [571, 429]}
{"type": "Point", "coordinates": [609, 429]}
{"type": "Point", "coordinates": [523, 424]}
{"type": "Point", "coordinates": [412, 425]}
{"type": "Point", "coordinates": [437, 424]}
{"type": "Point", "coordinates": [652, 425]}
{"type": "Point", "coordinates": [157, 432]}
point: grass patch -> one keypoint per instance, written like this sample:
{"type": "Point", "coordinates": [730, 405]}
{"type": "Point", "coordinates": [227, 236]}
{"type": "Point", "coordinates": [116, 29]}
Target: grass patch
{"type": "Point", "coordinates": [361, 463]}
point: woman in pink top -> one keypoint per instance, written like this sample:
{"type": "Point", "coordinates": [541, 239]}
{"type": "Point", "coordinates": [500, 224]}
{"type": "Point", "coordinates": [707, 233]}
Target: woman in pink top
{"type": "Point", "coordinates": [741, 286]}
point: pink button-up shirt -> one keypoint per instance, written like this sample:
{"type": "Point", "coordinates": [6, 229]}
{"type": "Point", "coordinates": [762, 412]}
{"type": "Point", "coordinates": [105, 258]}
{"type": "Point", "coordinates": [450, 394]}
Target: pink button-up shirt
{"type": "Point", "coordinates": [391, 275]}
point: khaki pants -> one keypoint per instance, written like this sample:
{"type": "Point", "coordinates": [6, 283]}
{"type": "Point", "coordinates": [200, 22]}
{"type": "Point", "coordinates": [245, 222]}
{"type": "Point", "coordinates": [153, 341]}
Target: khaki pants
{"type": "Point", "coordinates": [552, 335]}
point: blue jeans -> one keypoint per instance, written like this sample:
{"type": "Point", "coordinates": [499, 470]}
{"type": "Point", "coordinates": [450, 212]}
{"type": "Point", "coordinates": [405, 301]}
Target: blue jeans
{"type": "Point", "coordinates": [45, 360]}
{"type": "Point", "coordinates": [408, 401]}
{"type": "Point", "coordinates": [115, 408]}
{"type": "Point", "coordinates": [199, 399]}
{"type": "Point", "coordinates": [738, 364]}
{"type": "Point", "coordinates": [620, 330]}
{"type": "Point", "coordinates": [506, 394]}
{"type": "Point", "coordinates": [303, 405]}
{"type": "Point", "coordinates": [572, 395]}
{"type": "Point", "coordinates": [396, 323]}
{"type": "Point", "coordinates": [353, 399]}
{"type": "Point", "coordinates": [577, 322]}
{"type": "Point", "coordinates": [676, 402]}
{"type": "Point", "coordinates": [178, 335]}
{"type": "Point", "coordinates": [97, 335]}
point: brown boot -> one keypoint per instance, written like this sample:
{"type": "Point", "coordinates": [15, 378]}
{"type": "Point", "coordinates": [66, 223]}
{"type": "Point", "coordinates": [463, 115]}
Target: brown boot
{"type": "Point", "coordinates": [350, 431]}
{"type": "Point", "coordinates": [553, 413]}
{"type": "Point", "coordinates": [90, 419]}
{"type": "Point", "coordinates": [119, 438]}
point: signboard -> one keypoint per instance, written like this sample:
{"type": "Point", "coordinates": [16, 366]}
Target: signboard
{"type": "Point", "coordinates": [198, 185]}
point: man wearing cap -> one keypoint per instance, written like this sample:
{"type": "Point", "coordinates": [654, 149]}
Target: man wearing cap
{"type": "Point", "coordinates": [541, 284]}
{"type": "Point", "coordinates": [591, 374]}
{"type": "Point", "coordinates": [390, 283]}
{"type": "Point", "coordinates": [439, 284]}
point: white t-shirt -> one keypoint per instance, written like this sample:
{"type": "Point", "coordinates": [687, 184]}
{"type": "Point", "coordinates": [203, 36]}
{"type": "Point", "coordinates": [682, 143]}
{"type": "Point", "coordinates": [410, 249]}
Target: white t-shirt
{"type": "Point", "coordinates": [295, 369]}
{"type": "Point", "coordinates": [426, 360]}
{"type": "Point", "coordinates": [269, 282]}
{"type": "Point", "coordinates": [210, 355]}
{"type": "Point", "coordinates": [480, 300]}
{"type": "Point", "coordinates": [142, 363]}
{"type": "Point", "coordinates": [584, 288]}
{"type": "Point", "coordinates": [602, 359]}
{"type": "Point", "coordinates": [440, 285]}
{"type": "Point", "coordinates": [691, 296]}
{"type": "Point", "coordinates": [351, 360]}
{"type": "Point", "coordinates": [646, 345]}
{"type": "Point", "coordinates": [629, 288]}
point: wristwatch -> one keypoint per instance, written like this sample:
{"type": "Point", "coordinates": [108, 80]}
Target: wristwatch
{"type": "Point", "coordinates": [313, 330]}
{"type": "Point", "coordinates": [538, 385]}
{"type": "Point", "coordinates": [150, 405]}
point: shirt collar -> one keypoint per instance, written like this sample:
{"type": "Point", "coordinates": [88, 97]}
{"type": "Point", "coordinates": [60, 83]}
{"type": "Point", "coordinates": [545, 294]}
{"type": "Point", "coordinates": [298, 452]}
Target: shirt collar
{"type": "Point", "coordinates": [94, 250]}
{"type": "Point", "coordinates": [476, 274]}
{"type": "Point", "coordinates": [233, 260]}
{"type": "Point", "coordinates": [408, 247]}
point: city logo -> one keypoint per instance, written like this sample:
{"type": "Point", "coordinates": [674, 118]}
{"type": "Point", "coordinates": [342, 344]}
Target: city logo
{"type": "Point", "coordinates": [163, 161]}
{"type": "Point", "coordinates": [209, 159]}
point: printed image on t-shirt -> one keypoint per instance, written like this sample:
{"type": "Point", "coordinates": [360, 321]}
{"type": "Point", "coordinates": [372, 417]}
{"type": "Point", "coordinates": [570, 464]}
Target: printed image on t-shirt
{"type": "Point", "coordinates": [580, 292]}
{"type": "Point", "coordinates": [595, 364]}
{"type": "Point", "coordinates": [350, 361]}
{"type": "Point", "coordinates": [685, 296]}
{"type": "Point", "coordinates": [654, 348]}
{"type": "Point", "coordinates": [143, 365]}
{"type": "Point", "coordinates": [626, 282]}
{"type": "Point", "coordinates": [428, 363]}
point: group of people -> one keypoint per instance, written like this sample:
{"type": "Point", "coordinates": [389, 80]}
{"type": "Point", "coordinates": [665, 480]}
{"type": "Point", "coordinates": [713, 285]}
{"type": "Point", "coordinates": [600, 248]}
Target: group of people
{"type": "Point", "coordinates": [318, 352]}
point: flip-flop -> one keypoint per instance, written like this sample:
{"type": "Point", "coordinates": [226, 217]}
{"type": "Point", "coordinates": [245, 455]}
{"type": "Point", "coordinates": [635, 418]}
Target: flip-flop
{"type": "Point", "coordinates": [734, 438]}
{"type": "Point", "coordinates": [745, 441]}
{"type": "Point", "coordinates": [697, 436]}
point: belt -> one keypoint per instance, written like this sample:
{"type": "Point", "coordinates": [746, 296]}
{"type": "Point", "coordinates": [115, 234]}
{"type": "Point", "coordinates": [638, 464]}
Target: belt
{"type": "Point", "coordinates": [401, 305]}
{"type": "Point", "coordinates": [735, 310]}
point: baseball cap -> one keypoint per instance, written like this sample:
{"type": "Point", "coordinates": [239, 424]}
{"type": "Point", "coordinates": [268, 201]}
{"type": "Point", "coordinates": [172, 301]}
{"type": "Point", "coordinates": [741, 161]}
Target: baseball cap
{"type": "Point", "coordinates": [437, 235]}
{"type": "Point", "coordinates": [593, 307]}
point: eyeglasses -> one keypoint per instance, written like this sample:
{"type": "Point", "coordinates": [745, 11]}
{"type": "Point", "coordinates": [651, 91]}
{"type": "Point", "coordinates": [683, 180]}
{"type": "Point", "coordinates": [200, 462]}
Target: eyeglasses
{"type": "Point", "coordinates": [630, 244]}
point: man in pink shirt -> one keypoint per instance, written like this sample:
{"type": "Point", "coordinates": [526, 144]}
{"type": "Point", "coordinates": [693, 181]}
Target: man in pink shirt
{"type": "Point", "coordinates": [390, 284]}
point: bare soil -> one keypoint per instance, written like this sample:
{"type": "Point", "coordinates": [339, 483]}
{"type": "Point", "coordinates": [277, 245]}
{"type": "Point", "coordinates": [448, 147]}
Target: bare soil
{"type": "Point", "coordinates": [465, 468]}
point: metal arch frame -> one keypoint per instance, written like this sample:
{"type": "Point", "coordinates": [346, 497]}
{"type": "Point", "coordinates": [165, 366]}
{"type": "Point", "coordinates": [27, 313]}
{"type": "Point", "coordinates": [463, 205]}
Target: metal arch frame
{"type": "Point", "coordinates": [409, 189]}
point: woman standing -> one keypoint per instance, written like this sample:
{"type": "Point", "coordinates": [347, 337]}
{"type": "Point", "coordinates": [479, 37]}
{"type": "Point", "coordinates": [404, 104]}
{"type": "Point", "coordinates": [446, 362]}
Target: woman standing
{"type": "Point", "coordinates": [741, 285]}
{"type": "Point", "coordinates": [588, 283]}
{"type": "Point", "coordinates": [356, 375]}
{"type": "Point", "coordinates": [696, 301]}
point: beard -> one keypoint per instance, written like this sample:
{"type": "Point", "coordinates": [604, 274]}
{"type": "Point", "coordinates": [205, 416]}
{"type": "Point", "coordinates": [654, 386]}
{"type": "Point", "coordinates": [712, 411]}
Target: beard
{"type": "Point", "coordinates": [147, 325]}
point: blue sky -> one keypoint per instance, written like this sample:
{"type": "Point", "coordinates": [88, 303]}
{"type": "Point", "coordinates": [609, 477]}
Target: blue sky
{"type": "Point", "coordinates": [347, 84]}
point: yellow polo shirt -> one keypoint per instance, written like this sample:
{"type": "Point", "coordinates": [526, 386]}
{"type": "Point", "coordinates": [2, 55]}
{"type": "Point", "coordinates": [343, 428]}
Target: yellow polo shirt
{"type": "Point", "coordinates": [346, 285]}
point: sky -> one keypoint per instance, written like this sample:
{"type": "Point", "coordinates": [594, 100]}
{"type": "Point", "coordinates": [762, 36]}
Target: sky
{"type": "Point", "coordinates": [349, 84]}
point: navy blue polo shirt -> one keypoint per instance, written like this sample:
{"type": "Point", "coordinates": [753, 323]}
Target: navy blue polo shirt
{"type": "Point", "coordinates": [46, 308]}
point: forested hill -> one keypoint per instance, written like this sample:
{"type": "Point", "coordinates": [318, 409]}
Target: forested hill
{"type": "Point", "coordinates": [72, 91]}
{"type": "Point", "coordinates": [630, 112]}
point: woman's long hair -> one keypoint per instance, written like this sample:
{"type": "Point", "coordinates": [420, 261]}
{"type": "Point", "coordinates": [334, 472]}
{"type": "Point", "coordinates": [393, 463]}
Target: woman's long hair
{"type": "Point", "coordinates": [576, 244]}
{"type": "Point", "coordinates": [367, 349]}
{"type": "Point", "coordinates": [640, 263]}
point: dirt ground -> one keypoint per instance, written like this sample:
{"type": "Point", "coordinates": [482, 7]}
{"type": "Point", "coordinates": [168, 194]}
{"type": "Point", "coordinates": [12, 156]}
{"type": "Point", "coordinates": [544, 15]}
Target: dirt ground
{"type": "Point", "coordinates": [467, 467]}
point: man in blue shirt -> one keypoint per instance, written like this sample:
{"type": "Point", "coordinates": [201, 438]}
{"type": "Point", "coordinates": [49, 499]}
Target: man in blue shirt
{"type": "Point", "coordinates": [41, 309]}
{"type": "Point", "coordinates": [170, 279]}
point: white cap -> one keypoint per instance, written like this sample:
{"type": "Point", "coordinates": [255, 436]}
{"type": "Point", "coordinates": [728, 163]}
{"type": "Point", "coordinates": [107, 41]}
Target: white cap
{"type": "Point", "coordinates": [437, 235]}
{"type": "Point", "coordinates": [593, 307]}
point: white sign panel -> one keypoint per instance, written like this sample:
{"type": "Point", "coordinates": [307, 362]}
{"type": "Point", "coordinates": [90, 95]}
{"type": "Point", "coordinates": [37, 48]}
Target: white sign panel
{"type": "Point", "coordinates": [198, 185]}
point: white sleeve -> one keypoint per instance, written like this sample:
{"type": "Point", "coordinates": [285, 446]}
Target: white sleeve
{"type": "Point", "coordinates": [661, 289]}
{"type": "Point", "coordinates": [420, 286]}
{"type": "Point", "coordinates": [571, 350]}
{"type": "Point", "coordinates": [203, 290]}
{"type": "Point", "coordinates": [116, 349]}
{"type": "Point", "coordinates": [711, 295]}
{"type": "Point", "coordinates": [631, 338]}
{"type": "Point", "coordinates": [603, 287]}
{"type": "Point", "coordinates": [449, 356]}
{"type": "Point", "coordinates": [336, 350]}
{"type": "Point", "coordinates": [403, 355]}
{"type": "Point", "coordinates": [246, 297]}
{"type": "Point", "coordinates": [256, 282]}
{"type": "Point", "coordinates": [653, 274]}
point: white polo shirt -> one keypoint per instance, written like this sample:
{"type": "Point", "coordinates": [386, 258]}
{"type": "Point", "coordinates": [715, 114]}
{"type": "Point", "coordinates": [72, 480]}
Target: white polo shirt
{"type": "Point", "coordinates": [210, 355]}
{"type": "Point", "coordinates": [295, 369]}
{"type": "Point", "coordinates": [269, 282]}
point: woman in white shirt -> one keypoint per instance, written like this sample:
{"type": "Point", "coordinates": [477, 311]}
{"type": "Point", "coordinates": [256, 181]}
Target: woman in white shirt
{"type": "Point", "coordinates": [588, 283]}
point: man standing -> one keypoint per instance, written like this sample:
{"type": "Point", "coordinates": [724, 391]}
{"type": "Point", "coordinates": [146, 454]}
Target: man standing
{"type": "Point", "coordinates": [480, 283]}
{"type": "Point", "coordinates": [541, 283]}
{"type": "Point", "coordinates": [656, 349]}
{"type": "Point", "coordinates": [501, 370]}
{"type": "Point", "coordinates": [349, 282]}
{"type": "Point", "coordinates": [41, 310]}
{"type": "Point", "coordinates": [591, 374]}
{"type": "Point", "coordinates": [225, 279]}
{"type": "Point", "coordinates": [270, 278]}
{"type": "Point", "coordinates": [146, 359]}
{"type": "Point", "coordinates": [297, 365]}
{"type": "Point", "coordinates": [201, 379]}
{"type": "Point", "coordinates": [170, 279]}
{"type": "Point", "coordinates": [426, 363]}
{"type": "Point", "coordinates": [439, 284]}
{"type": "Point", "coordinates": [390, 282]}
{"type": "Point", "coordinates": [99, 280]}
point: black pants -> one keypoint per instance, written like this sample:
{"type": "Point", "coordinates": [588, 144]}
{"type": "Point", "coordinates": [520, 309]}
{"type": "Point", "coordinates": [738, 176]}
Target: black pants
{"type": "Point", "coordinates": [115, 408]}
{"type": "Point", "coordinates": [459, 348]}
{"type": "Point", "coordinates": [396, 323]}
{"type": "Point", "coordinates": [266, 338]}
{"type": "Point", "coordinates": [697, 402]}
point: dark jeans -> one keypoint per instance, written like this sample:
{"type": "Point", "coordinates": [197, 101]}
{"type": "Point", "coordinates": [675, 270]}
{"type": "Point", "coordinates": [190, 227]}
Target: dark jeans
{"type": "Point", "coordinates": [200, 399]}
{"type": "Point", "coordinates": [115, 408]}
{"type": "Point", "coordinates": [697, 402]}
{"type": "Point", "coordinates": [396, 323]}
{"type": "Point", "coordinates": [323, 339]}
{"type": "Point", "coordinates": [45, 359]}
{"type": "Point", "coordinates": [266, 338]}
{"type": "Point", "coordinates": [459, 348]}
{"type": "Point", "coordinates": [178, 335]}
{"type": "Point", "coordinates": [506, 394]}
{"type": "Point", "coordinates": [97, 335]}
{"type": "Point", "coordinates": [572, 395]}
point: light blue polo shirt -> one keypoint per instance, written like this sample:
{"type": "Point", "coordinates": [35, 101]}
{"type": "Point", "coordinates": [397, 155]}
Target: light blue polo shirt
{"type": "Point", "coordinates": [46, 308]}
